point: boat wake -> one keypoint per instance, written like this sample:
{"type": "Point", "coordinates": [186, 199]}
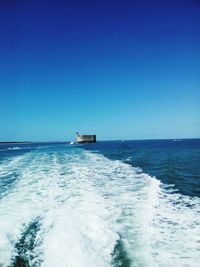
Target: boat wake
{"type": "Point", "coordinates": [78, 208]}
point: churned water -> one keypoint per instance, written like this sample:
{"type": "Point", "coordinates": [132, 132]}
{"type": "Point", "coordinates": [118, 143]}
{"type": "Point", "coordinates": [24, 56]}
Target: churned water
{"type": "Point", "coordinates": [133, 203]}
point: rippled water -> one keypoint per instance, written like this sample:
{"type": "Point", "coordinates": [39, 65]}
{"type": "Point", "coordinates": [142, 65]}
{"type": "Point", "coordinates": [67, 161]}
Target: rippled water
{"type": "Point", "coordinates": [63, 205]}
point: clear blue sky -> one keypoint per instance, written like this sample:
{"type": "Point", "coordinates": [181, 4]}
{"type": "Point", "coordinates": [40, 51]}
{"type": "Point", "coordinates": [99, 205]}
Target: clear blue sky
{"type": "Point", "coordinates": [120, 69]}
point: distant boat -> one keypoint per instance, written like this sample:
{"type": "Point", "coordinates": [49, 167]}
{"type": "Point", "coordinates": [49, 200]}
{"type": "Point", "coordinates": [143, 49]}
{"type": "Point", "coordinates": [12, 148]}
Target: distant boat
{"type": "Point", "coordinates": [72, 143]}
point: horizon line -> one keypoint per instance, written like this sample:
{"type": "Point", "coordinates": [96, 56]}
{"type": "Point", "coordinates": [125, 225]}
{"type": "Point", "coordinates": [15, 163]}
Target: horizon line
{"type": "Point", "coordinates": [100, 140]}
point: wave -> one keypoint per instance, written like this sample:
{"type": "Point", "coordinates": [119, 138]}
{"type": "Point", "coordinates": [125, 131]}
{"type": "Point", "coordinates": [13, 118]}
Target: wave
{"type": "Point", "coordinates": [18, 148]}
{"type": "Point", "coordinates": [14, 148]}
{"type": "Point", "coordinates": [79, 208]}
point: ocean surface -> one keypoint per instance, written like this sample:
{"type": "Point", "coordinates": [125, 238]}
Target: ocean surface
{"type": "Point", "coordinates": [113, 203]}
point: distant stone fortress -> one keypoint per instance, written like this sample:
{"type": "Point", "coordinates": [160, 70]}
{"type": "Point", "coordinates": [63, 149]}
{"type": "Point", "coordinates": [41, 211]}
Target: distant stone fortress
{"type": "Point", "coordinates": [89, 138]}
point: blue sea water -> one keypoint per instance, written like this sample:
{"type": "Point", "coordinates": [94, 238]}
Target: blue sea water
{"type": "Point", "coordinates": [113, 203]}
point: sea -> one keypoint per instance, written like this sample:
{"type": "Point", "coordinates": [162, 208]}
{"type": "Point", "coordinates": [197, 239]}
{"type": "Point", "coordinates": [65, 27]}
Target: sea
{"type": "Point", "coordinates": [111, 203]}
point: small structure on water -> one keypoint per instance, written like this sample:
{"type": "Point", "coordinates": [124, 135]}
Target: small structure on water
{"type": "Point", "coordinates": [89, 138]}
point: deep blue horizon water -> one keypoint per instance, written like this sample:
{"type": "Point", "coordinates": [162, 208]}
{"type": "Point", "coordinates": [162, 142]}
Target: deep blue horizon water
{"type": "Point", "coordinates": [172, 161]}
{"type": "Point", "coordinates": [112, 203]}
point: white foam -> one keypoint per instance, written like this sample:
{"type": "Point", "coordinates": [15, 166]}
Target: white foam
{"type": "Point", "coordinates": [14, 148]}
{"type": "Point", "coordinates": [86, 202]}
{"type": "Point", "coordinates": [74, 215]}
{"type": "Point", "coordinates": [8, 170]}
{"type": "Point", "coordinates": [158, 228]}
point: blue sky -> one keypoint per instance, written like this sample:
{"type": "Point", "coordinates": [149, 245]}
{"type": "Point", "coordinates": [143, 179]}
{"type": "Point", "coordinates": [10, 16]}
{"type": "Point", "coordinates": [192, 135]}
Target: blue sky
{"type": "Point", "coordinates": [120, 69]}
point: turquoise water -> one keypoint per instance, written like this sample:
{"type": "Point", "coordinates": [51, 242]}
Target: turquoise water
{"type": "Point", "coordinates": [132, 203]}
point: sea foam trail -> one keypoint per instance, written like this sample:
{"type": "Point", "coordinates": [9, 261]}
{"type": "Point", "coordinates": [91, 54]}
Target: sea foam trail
{"type": "Point", "coordinates": [10, 170]}
{"type": "Point", "coordinates": [76, 227]}
{"type": "Point", "coordinates": [76, 208]}
{"type": "Point", "coordinates": [157, 226]}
